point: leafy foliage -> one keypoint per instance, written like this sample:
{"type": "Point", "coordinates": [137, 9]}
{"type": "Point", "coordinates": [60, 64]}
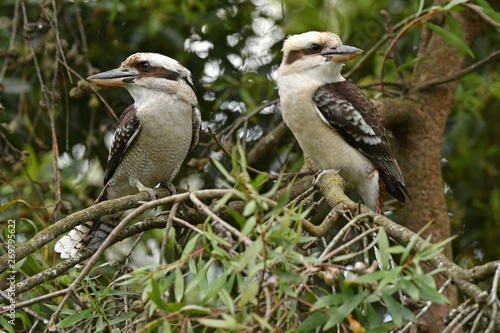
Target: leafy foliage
{"type": "Point", "coordinates": [263, 277]}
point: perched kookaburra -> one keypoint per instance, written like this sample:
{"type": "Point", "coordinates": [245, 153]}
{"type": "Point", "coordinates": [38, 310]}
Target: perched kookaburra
{"type": "Point", "coordinates": [336, 125]}
{"type": "Point", "coordinates": [153, 137]}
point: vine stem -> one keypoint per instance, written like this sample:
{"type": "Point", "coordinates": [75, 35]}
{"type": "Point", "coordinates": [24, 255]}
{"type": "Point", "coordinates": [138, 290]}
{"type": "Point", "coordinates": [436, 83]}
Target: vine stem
{"type": "Point", "coordinates": [393, 42]}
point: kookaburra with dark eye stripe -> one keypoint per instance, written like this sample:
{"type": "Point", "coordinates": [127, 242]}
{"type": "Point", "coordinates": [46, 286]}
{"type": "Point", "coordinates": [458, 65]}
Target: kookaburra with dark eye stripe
{"type": "Point", "coordinates": [153, 137]}
{"type": "Point", "coordinates": [336, 125]}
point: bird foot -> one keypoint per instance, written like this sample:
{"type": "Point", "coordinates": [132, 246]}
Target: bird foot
{"type": "Point", "coordinates": [142, 188]}
{"type": "Point", "coordinates": [170, 187]}
{"type": "Point", "coordinates": [320, 174]}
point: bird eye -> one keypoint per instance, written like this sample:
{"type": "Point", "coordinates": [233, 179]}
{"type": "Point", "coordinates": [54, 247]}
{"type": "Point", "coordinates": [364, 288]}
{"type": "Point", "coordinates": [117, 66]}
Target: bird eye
{"type": "Point", "coordinates": [145, 66]}
{"type": "Point", "coordinates": [314, 48]}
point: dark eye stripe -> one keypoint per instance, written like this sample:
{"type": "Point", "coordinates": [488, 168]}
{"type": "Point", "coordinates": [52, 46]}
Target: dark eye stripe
{"type": "Point", "coordinates": [164, 73]}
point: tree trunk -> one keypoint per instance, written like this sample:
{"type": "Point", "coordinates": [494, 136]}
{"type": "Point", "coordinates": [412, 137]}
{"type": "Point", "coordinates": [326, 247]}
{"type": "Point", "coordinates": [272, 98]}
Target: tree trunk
{"type": "Point", "coordinates": [419, 138]}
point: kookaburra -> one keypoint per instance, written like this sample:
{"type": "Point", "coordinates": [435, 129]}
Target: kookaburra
{"type": "Point", "coordinates": [153, 137]}
{"type": "Point", "coordinates": [334, 122]}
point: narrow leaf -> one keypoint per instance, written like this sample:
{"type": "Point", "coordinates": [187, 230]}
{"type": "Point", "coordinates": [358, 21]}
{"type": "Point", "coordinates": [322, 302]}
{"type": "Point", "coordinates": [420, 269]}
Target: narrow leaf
{"type": "Point", "coordinates": [453, 3]}
{"type": "Point", "coordinates": [451, 39]}
{"type": "Point", "coordinates": [340, 313]}
{"type": "Point", "coordinates": [179, 285]}
{"type": "Point", "coordinates": [383, 243]}
{"type": "Point", "coordinates": [312, 322]}
{"type": "Point", "coordinates": [73, 319]}
{"type": "Point", "coordinates": [397, 311]}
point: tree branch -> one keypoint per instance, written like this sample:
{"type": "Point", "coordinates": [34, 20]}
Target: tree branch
{"type": "Point", "coordinates": [331, 187]}
{"type": "Point", "coordinates": [66, 224]}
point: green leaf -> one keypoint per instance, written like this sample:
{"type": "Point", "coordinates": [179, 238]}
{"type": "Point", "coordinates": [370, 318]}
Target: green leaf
{"type": "Point", "coordinates": [323, 302]}
{"type": "Point", "coordinates": [106, 291]}
{"type": "Point", "coordinates": [248, 226]}
{"type": "Point", "coordinates": [155, 295]}
{"type": "Point", "coordinates": [412, 242]}
{"type": "Point", "coordinates": [223, 170]}
{"type": "Point", "coordinates": [10, 203]}
{"type": "Point", "coordinates": [340, 313]}
{"type": "Point", "coordinates": [390, 277]}
{"type": "Point", "coordinates": [249, 294]}
{"type": "Point", "coordinates": [63, 311]}
{"type": "Point", "coordinates": [312, 322]}
{"type": "Point", "coordinates": [451, 39]}
{"type": "Point", "coordinates": [202, 274]}
{"type": "Point", "coordinates": [288, 276]}
{"type": "Point", "coordinates": [488, 10]}
{"type": "Point", "coordinates": [189, 246]}
{"type": "Point", "coordinates": [178, 285]}
{"type": "Point", "coordinates": [123, 317]}
{"type": "Point", "coordinates": [250, 208]}
{"type": "Point", "coordinates": [216, 286]}
{"type": "Point", "coordinates": [370, 277]}
{"type": "Point", "coordinates": [384, 328]}
{"type": "Point", "coordinates": [409, 288]}
{"type": "Point", "coordinates": [224, 324]}
{"type": "Point", "coordinates": [75, 318]}
{"type": "Point", "coordinates": [383, 244]}
{"type": "Point", "coordinates": [397, 311]}
{"type": "Point", "coordinates": [453, 25]}
{"type": "Point", "coordinates": [250, 254]}
{"type": "Point", "coordinates": [453, 3]}
{"type": "Point", "coordinates": [5, 324]}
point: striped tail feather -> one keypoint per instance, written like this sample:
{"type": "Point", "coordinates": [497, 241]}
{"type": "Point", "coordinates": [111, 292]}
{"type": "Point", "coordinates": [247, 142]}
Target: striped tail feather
{"type": "Point", "coordinates": [88, 234]}
{"type": "Point", "coordinates": [71, 243]}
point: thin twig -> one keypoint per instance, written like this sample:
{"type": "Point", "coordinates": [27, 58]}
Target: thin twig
{"type": "Point", "coordinates": [28, 310]}
{"type": "Point", "coordinates": [41, 298]}
{"type": "Point", "coordinates": [352, 241]}
{"type": "Point", "coordinates": [188, 225]}
{"type": "Point", "coordinates": [478, 10]}
{"type": "Point", "coordinates": [194, 199]}
{"type": "Point", "coordinates": [395, 52]}
{"type": "Point", "coordinates": [459, 74]}
{"type": "Point", "coordinates": [249, 115]}
{"type": "Point", "coordinates": [393, 42]}
{"type": "Point", "coordinates": [15, 20]}
{"type": "Point", "coordinates": [343, 231]}
{"type": "Point", "coordinates": [373, 50]}
{"type": "Point", "coordinates": [108, 107]}
{"type": "Point", "coordinates": [228, 154]}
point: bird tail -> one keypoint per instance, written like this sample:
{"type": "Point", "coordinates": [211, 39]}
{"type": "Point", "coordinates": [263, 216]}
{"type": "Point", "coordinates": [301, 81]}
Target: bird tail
{"type": "Point", "coordinates": [88, 234]}
{"type": "Point", "coordinates": [381, 194]}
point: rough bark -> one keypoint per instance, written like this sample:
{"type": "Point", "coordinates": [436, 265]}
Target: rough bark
{"type": "Point", "coordinates": [418, 139]}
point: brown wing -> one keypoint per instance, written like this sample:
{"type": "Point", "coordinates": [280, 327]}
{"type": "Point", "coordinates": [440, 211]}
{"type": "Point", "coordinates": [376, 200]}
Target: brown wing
{"type": "Point", "coordinates": [345, 108]}
{"type": "Point", "coordinates": [127, 130]}
{"type": "Point", "coordinates": [195, 138]}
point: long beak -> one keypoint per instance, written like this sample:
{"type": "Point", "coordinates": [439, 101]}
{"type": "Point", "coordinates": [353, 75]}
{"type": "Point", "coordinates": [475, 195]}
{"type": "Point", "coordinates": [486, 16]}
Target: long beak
{"type": "Point", "coordinates": [114, 78]}
{"type": "Point", "coordinates": [342, 53]}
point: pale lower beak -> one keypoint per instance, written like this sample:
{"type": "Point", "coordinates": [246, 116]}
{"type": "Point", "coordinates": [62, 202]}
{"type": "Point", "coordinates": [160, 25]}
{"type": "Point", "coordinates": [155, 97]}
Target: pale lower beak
{"type": "Point", "coordinates": [342, 53]}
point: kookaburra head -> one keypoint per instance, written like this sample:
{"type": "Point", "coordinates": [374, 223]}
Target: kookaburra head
{"type": "Point", "coordinates": [320, 54]}
{"type": "Point", "coordinates": [145, 74]}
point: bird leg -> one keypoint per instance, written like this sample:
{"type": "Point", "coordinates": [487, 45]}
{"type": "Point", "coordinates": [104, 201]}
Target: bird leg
{"type": "Point", "coordinates": [136, 183]}
{"type": "Point", "coordinates": [320, 174]}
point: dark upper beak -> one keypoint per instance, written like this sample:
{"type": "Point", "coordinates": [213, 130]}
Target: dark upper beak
{"type": "Point", "coordinates": [342, 53]}
{"type": "Point", "coordinates": [114, 78]}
